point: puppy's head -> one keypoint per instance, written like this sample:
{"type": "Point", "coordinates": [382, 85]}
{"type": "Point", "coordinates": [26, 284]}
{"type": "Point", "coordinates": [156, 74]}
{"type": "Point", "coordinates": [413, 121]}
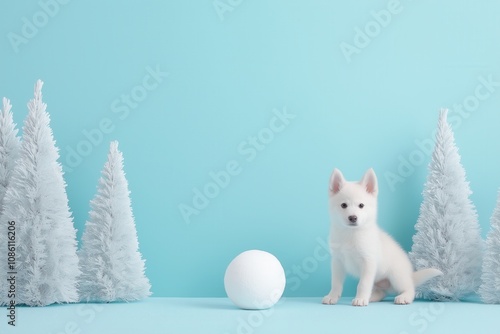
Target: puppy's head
{"type": "Point", "coordinates": [353, 204]}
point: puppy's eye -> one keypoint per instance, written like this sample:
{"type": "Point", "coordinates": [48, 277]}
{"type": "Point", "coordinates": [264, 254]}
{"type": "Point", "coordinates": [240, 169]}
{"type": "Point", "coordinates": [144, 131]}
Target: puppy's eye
{"type": "Point", "coordinates": [361, 205]}
{"type": "Point", "coordinates": [343, 205]}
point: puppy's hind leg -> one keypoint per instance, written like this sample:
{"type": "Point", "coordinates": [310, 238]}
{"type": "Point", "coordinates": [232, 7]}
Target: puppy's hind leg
{"type": "Point", "coordinates": [377, 295]}
{"type": "Point", "coordinates": [379, 290]}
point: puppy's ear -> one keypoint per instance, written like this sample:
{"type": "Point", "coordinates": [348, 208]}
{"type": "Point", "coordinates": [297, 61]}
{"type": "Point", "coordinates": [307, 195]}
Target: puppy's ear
{"type": "Point", "coordinates": [336, 181]}
{"type": "Point", "coordinates": [370, 183]}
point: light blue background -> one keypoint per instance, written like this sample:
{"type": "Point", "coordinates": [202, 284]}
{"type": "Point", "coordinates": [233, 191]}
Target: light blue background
{"type": "Point", "coordinates": [227, 73]}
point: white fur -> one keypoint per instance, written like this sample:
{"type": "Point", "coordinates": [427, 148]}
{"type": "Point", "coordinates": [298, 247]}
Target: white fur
{"type": "Point", "coordinates": [360, 248]}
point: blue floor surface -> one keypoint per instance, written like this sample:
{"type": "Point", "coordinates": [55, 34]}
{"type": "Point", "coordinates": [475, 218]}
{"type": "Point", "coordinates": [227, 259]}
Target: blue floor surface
{"type": "Point", "coordinates": [290, 315]}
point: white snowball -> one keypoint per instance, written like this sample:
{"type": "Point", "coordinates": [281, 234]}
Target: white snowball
{"type": "Point", "coordinates": [254, 280]}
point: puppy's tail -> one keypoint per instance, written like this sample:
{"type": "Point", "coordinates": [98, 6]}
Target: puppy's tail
{"type": "Point", "coordinates": [422, 276]}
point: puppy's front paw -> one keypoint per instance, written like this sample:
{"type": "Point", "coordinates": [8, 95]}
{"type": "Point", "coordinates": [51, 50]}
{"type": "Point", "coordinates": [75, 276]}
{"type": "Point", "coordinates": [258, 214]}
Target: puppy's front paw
{"type": "Point", "coordinates": [330, 300]}
{"type": "Point", "coordinates": [405, 298]}
{"type": "Point", "coordinates": [360, 302]}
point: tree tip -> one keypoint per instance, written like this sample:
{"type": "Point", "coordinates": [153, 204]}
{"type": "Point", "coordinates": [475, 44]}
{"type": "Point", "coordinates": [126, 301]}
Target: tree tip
{"type": "Point", "coordinates": [113, 146]}
{"type": "Point", "coordinates": [443, 113]}
{"type": "Point", "coordinates": [38, 89]}
{"type": "Point", "coordinates": [6, 104]}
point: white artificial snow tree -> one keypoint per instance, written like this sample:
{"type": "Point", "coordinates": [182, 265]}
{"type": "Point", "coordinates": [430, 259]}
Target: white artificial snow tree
{"type": "Point", "coordinates": [112, 266]}
{"type": "Point", "coordinates": [9, 148]}
{"type": "Point", "coordinates": [46, 258]}
{"type": "Point", "coordinates": [448, 236]}
{"type": "Point", "coordinates": [490, 286]}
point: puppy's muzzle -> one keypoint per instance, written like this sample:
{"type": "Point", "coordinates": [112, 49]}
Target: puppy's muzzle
{"type": "Point", "coordinates": [353, 220]}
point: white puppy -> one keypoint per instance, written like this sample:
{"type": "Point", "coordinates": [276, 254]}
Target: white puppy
{"type": "Point", "coordinates": [360, 248]}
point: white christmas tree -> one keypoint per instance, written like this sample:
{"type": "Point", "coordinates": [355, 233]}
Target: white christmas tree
{"type": "Point", "coordinates": [448, 236]}
{"type": "Point", "coordinates": [112, 266]}
{"type": "Point", "coordinates": [490, 286]}
{"type": "Point", "coordinates": [46, 259]}
{"type": "Point", "coordinates": [9, 149]}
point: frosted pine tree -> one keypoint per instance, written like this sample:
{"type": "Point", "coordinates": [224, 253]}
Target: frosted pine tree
{"type": "Point", "coordinates": [448, 236]}
{"type": "Point", "coordinates": [112, 266]}
{"type": "Point", "coordinates": [490, 286]}
{"type": "Point", "coordinates": [46, 259]}
{"type": "Point", "coordinates": [9, 148]}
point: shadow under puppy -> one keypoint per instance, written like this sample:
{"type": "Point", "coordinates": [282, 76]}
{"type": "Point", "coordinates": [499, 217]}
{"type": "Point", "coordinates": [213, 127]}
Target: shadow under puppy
{"type": "Point", "coordinates": [360, 248]}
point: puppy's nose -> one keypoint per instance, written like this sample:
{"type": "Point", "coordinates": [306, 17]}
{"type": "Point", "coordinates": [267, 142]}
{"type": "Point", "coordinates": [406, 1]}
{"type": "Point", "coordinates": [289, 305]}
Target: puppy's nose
{"type": "Point", "coordinates": [353, 219]}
